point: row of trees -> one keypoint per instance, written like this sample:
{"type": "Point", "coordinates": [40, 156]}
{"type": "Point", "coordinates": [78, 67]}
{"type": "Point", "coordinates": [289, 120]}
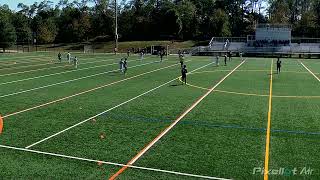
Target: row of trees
{"type": "Point", "coordinates": [83, 20]}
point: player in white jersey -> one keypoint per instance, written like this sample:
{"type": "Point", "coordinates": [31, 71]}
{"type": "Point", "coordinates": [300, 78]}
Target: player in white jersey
{"type": "Point", "coordinates": [75, 62]}
{"type": "Point", "coordinates": [69, 57]}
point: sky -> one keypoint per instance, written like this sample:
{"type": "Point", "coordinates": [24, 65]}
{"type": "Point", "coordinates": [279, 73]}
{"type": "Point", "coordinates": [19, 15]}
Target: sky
{"type": "Point", "coordinates": [13, 3]}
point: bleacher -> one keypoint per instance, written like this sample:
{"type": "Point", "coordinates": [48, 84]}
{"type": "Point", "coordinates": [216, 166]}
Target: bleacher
{"type": "Point", "coordinates": [268, 39]}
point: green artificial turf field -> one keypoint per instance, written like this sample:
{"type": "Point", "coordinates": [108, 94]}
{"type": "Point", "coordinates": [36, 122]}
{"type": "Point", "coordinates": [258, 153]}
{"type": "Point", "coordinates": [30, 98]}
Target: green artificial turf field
{"type": "Point", "coordinates": [89, 123]}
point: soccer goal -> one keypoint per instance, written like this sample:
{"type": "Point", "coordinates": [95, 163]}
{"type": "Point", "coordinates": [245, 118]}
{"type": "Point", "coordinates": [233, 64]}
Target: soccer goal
{"type": "Point", "coordinates": [88, 48]}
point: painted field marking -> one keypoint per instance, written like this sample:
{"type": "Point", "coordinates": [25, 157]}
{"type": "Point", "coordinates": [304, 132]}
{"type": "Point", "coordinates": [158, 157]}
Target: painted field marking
{"type": "Point", "coordinates": [80, 93]}
{"type": "Point", "coordinates": [310, 71]}
{"type": "Point", "coordinates": [59, 73]}
{"type": "Point", "coordinates": [41, 69]}
{"type": "Point", "coordinates": [53, 74]}
{"type": "Point", "coordinates": [18, 62]}
{"type": "Point", "coordinates": [68, 81]}
{"type": "Point", "coordinates": [163, 133]}
{"type": "Point", "coordinates": [249, 94]}
{"type": "Point", "coordinates": [121, 104]}
{"type": "Point", "coordinates": [109, 163]}
{"type": "Point", "coordinates": [267, 151]}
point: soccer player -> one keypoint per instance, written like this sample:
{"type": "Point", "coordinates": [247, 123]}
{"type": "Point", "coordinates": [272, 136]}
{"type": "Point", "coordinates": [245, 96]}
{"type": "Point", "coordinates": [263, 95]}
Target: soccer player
{"type": "Point", "coordinates": [225, 59]}
{"type": "Point", "coordinates": [125, 66]}
{"type": "Point", "coordinates": [141, 55]}
{"type": "Point", "coordinates": [240, 54]}
{"type": "Point", "coordinates": [230, 55]}
{"type": "Point", "coordinates": [181, 60]}
{"type": "Point", "coordinates": [69, 57]}
{"type": "Point", "coordinates": [184, 72]}
{"type": "Point", "coordinates": [128, 52]}
{"type": "Point", "coordinates": [278, 66]}
{"type": "Point", "coordinates": [75, 62]}
{"type": "Point", "coordinates": [59, 57]}
{"type": "Point", "coordinates": [121, 65]}
{"type": "Point", "coordinates": [217, 60]}
{"type": "Point", "coordinates": [161, 55]}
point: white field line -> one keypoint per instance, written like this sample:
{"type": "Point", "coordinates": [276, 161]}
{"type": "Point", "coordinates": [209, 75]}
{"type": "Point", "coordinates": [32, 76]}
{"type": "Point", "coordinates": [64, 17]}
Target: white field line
{"type": "Point", "coordinates": [65, 72]}
{"type": "Point", "coordinates": [68, 81]}
{"type": "Point", "coordinates": [52, 62]}
{"type": "Point", "coordinates": [29, 61]}
{"type": "Point", "coordinates": [20, 67]}
{"type": "Point", "coordinates": [35, 60]}
{"type": "Point", "coordinates": [121, 104]}
{"type": "Point", "coordinates": [144, 150]}
{"type": "Point", "coordinates": [20, 58]}
{"type": "Point", "coordinates": [310, 71]}
{"type": "Point", "coordinates": [83, 92]}
{"type": "Point", "coordinates": [109, 163]}
{"type": "Point", "coordinates": [22, 72]}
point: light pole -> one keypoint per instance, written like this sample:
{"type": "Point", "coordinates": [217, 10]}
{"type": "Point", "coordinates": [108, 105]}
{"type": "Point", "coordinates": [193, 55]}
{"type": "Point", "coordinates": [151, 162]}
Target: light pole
{"type": "Point", "coordinates": [116, 26]}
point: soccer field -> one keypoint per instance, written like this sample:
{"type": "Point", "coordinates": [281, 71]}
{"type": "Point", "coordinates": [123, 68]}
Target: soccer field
{"type": "Point", "coordinates": [227, 122]}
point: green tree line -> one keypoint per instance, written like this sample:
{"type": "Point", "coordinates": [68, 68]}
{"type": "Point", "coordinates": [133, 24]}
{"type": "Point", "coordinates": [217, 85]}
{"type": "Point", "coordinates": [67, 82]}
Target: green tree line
{"type": "Point", "coordinates": [93, 20]}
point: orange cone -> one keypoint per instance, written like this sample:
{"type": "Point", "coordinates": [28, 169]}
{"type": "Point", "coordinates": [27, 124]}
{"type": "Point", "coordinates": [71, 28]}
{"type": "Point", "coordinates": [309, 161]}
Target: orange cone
{"type": "Point", "coordinates": [1, 124]}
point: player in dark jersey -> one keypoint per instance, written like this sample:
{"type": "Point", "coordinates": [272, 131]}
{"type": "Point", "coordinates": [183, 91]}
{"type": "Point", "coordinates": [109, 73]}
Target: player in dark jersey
{"type": "Point", "coordinates": [161, 55]}
{"type": "Point", "coordinates": [230, 55]}
{"type": "Point", "coordinates": [278, 66]}
{"type": "Point", "coordinates": [184, 72]}
{"type": "Point", "coordinates": [128, 52]}
{"type": "Point", "coordinates": [125, 66]}
{"type": "Point", "coordinates": [59, 57]}
{"type": "Point", "coordinates": [225, 59]}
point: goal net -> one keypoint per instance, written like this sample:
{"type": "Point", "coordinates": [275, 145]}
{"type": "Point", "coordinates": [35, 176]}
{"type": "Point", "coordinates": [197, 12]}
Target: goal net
{"type": "Point", "coordinates": [87, 48]}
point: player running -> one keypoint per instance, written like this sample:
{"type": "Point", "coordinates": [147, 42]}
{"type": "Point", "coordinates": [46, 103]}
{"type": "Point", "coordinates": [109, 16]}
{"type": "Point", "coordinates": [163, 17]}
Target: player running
{"type": "Point", "coordinates": [128, 52]}
{"type": "Point", "coordinates": [278, 66]}
{"type": "Point", "coordinates": [240, 54]}
{"type": "Point", "coordinates": [184, 72]}
{"type": "Point", "coordinates": [225, 59]}
{"type": "Point", "coordinates": [75, 62]}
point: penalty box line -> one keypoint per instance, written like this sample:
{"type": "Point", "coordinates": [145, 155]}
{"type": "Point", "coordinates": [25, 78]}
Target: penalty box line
{"type": "Point", "coordinates": [163, 133]}
{"type": "Point", "coordinates": [109, 163]}
{"type": "Point", "coordinates": [84, 92]}
{"type": "Point", "coordinates": [97, 115]}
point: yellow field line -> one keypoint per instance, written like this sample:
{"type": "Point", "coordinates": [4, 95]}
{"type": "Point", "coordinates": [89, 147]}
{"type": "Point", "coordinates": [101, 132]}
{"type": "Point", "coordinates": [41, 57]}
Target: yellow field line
{"type": "Point", "coordinates": [266, 159]}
